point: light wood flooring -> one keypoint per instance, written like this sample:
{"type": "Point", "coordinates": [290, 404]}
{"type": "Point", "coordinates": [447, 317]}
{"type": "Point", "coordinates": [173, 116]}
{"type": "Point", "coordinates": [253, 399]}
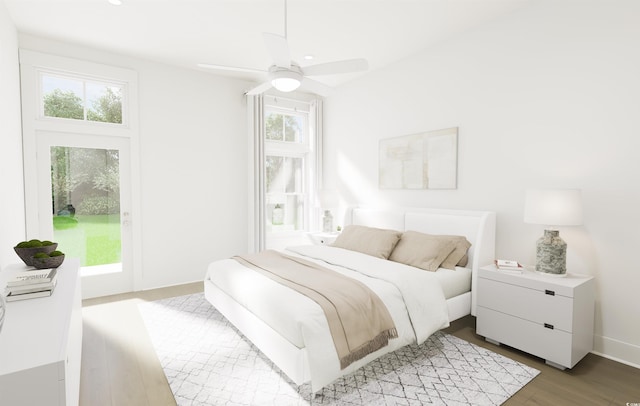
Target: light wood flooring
{"type": "Point", "coordinates": [120, 368]}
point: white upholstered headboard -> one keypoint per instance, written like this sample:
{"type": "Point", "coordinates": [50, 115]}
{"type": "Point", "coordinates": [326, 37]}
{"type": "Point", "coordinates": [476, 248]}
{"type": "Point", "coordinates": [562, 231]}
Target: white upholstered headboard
{"type": "Point", "coordinates": [479, 227]}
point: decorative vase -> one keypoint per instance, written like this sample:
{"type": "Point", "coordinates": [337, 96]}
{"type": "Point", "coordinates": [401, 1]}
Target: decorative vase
{"type": "Point", "coordinates": [3, 310]}
{"type": "Point", "coordinates": [551, 254]}
{"type": "Point", "coordinates": [277, 216]}
{"type": "Point", "coordinates": [327, 222]}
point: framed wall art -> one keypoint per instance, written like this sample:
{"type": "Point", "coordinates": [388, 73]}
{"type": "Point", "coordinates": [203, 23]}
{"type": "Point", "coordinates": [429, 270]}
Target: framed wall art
{"type": "Point", "coordinates": [427, 160]}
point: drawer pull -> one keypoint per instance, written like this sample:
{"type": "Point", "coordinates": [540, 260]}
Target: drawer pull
{"type": "Point", "coordinates": [549, 292]}
{"type": "Point", "coordinates": [549, 326]}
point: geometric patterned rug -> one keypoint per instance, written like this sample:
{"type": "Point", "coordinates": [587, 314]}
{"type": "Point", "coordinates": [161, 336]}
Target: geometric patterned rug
{"type": "Point", "coordinates": [207, 361]}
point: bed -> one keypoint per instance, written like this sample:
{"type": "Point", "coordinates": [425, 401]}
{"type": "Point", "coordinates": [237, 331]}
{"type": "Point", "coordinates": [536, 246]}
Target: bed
{"type": "Point", "coordinates": [289, 328]}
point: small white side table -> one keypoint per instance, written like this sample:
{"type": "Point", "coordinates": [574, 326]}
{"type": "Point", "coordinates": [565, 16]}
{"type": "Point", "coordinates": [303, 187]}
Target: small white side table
{"type": "Point", "coordinates": [546, 316]}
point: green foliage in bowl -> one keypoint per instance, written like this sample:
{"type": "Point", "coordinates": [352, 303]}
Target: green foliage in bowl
{"type": "Point", "coordinates": [43, 260]}
{"type": "Point", "coordinates": [26, 250]}
{"type": "Point", "coordinates": [30, 244]}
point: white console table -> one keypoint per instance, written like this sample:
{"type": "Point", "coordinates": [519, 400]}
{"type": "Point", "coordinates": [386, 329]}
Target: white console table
{"type": "Point", "coordinates": [41, 343]}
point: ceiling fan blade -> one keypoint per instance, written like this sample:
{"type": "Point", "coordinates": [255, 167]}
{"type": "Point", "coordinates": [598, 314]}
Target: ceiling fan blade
{"type": "Point", "coordinates": [330, 68]}
{"type": "Point", "coordinates": [230, 68]}
{"type": "Point", "coordinates": [278, 49]}
{"type": "Point", "coordinates": [261, 88]}
{"type": "Point", "coordinates": [316, 87]}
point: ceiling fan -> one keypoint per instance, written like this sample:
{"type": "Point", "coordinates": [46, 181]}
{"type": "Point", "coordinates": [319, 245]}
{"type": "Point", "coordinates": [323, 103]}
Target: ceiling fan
{"type": "Point", "coordinates": [286, 75]}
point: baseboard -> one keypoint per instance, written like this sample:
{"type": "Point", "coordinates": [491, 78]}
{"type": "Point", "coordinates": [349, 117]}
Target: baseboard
{"type": "Point", "coordinates": [619, 351]}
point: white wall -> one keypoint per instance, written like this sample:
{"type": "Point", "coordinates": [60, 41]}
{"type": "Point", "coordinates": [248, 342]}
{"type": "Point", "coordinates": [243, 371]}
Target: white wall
{"type": "Point", "coordinates": [12, 225]}
{"type": "Point", "coordinates": [193, 164]}
{"type": "Point", "coordinates": [545, 97]}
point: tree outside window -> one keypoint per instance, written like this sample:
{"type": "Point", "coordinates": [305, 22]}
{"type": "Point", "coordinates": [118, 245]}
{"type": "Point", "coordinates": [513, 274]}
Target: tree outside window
{"type": "Point", "coordinates": [81, 100]}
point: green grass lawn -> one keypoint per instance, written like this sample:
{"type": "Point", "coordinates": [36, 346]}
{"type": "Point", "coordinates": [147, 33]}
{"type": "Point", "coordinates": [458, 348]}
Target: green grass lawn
{"type": "Point", "coordinates": [93, 239]}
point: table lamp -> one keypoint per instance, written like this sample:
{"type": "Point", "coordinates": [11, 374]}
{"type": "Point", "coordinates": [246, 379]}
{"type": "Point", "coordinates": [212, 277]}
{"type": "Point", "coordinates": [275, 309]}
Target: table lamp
{"type": "Point", "coordinates": [552, 207]}
{"type": "Point", "coordinates": [328, 200]}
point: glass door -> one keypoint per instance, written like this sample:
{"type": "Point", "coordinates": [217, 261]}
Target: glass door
{"type": "Point", "coordinates": [88, 210]}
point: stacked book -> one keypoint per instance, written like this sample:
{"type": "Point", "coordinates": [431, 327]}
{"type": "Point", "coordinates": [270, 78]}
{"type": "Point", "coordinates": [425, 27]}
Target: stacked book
{"type": "Point", "coordinates": [31, 284]}
{"type": "Point", "coordinates": [509, 266]}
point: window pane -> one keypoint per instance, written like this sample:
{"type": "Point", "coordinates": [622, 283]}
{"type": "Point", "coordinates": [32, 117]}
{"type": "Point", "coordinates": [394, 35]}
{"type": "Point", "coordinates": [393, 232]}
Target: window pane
{"type": "Point", "coordinates": [86, 204]}
{"type": "Point", "coordinates": [273, 125]}
{"type": "Point", "coordinates": [293, 170]}
{"type": "Point", "coordinates": [285, 199]}
{"type": "Point", "coordinates": [104, 103]}
{"type": "Point", "coordinates": [275, 175]}
{"type": "Point", "coordinates": [293, 126]}
{"type": "Point", "coordinates": [62, 97]}
{"type": "Point", "coordinates": [73, 98]}
{"type": "Point", "coordinates": [283, 127]}
{"type": "Point", "coordinates": [284, 174]}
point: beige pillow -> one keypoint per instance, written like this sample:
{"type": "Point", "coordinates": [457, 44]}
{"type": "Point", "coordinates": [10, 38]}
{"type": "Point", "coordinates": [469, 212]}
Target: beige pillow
{"type": "Point", "coordinates": [423, 251]}
{"type": "Point", "coordinates": [463, 261]}
{"type": "Point", "coordinates": [459, 255]}
{"type": "Point", "coordinates": [371, 241]}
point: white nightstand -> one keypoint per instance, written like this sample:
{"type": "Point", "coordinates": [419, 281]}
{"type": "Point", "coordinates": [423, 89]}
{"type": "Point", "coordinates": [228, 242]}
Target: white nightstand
{"type": "Point", "coordinates": [546, 316]}
{"type": "Point", "coordinates": [323, 238]}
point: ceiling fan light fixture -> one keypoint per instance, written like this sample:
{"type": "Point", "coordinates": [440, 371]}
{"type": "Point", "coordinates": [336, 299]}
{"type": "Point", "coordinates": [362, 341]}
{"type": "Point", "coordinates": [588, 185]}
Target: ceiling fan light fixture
{"type": "Point", "coordinates": [286, 80]}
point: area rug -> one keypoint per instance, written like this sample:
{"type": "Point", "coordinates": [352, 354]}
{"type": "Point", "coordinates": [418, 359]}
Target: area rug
{"type": "Point", "coordinates": [207, 361]}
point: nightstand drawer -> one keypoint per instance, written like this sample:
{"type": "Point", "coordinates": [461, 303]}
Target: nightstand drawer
{"type": "Point", "coordinates": [551, 344]}
{"type": "Point", "coordinates": [530, 304]}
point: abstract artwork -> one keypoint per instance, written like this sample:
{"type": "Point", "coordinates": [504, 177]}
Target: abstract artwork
{"type": "Point", "coordinates": [426, 160]}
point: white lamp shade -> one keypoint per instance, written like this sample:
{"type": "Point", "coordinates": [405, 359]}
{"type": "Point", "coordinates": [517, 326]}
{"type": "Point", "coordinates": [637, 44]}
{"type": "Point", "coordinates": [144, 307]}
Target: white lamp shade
{"type": "Point", "coordinates": [553, 207]}
{"type": "Point", "coordinates": [286, 80]}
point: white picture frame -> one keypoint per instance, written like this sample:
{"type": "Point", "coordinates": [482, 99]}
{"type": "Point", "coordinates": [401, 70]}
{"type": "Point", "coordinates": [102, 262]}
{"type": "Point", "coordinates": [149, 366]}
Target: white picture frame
{"type": "Point", "coordinates": [427, 160]}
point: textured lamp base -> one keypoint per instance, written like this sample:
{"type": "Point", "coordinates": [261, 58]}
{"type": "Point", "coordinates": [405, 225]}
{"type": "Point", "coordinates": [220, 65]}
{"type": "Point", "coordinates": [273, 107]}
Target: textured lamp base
{"type": "Point", "coordinates": [327, 222]}
{"type": "Point", "coordinates": [551, 254]}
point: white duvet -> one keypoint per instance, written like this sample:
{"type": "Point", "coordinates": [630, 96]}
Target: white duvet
{"type": "Point", "coordinates": [413, 297]}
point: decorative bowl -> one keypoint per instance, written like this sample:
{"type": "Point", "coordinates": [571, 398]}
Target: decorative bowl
{"type": "Point", "coordinates": [26, 254]}
{"type": "Point", "coordinates": [49, 262]}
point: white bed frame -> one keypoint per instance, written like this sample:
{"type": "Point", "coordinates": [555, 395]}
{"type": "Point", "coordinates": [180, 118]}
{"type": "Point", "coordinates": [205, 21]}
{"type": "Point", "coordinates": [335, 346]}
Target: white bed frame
{"type": "Point", "coordinates": [477, 226]}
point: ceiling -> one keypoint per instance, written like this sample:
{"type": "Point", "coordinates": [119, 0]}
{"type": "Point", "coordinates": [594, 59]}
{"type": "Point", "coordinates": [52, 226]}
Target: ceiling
{"type": "Point", "coordinates": [229, 32]}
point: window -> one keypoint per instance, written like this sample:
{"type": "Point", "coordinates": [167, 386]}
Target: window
{"type": "Point", "coordinates": [78, 98]}
{"type": "Point", "coordinates": [289, 170]}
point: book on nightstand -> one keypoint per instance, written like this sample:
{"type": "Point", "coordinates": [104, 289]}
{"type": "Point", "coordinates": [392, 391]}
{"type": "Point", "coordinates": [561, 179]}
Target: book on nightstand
{"type": "Point", "coordinates": [31, 284]}
{"type": "Point", "coordinates": [508, 266]}
{"type": "Point", "coordinates": [22, 296]}
{"type": "Point", "coordinates": [33, 277]}
{"type": "Point", "coordinates": [30, 288]}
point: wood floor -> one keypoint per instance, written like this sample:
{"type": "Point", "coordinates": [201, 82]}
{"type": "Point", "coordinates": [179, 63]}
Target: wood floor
{"type": "Point", "coordinates": [120, 368]}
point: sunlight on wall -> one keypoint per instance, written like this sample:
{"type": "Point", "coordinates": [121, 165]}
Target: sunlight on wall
{"type": "Point", "coordinates": [354, 187]}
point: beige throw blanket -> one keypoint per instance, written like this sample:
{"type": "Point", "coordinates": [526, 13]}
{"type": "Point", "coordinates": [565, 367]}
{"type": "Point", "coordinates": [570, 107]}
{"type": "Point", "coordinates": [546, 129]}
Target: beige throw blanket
{"type": "Point", "coordinates": [358, 320]}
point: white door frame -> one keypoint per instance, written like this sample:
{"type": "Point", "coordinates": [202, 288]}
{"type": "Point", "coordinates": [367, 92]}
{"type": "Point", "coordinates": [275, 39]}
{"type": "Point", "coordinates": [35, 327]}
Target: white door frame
{"type": "Point", "coordinates": [34, 125]}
